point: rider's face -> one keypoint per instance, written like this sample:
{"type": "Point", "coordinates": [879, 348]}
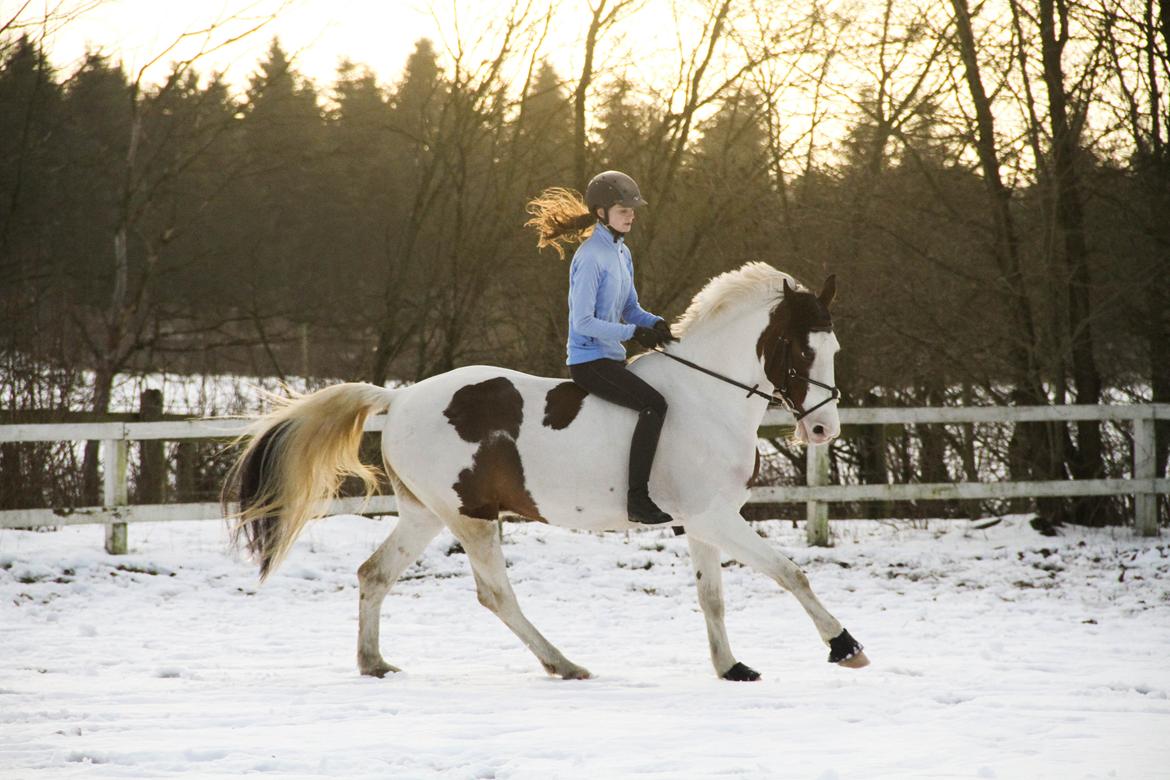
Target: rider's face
{"type": "Point", "coordinates": [621, 218]}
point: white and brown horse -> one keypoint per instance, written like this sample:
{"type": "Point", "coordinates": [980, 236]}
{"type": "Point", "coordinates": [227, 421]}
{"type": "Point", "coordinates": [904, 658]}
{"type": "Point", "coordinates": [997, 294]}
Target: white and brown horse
{"type": "Point", "coordinates": [467, 446]}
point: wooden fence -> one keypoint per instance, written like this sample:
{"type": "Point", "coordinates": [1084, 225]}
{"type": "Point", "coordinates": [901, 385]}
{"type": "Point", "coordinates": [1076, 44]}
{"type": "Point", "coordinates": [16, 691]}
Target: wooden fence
{"type": "Point", "coordinates": [1144, 483]}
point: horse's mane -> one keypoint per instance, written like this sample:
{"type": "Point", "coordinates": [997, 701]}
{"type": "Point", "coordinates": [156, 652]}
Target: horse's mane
{"type": "Point", "coordinates": [751, 282]}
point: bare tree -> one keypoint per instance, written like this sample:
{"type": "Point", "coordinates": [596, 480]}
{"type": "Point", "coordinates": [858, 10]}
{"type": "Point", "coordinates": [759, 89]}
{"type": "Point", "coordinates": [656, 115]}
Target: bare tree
{"type": "Point", "coordinates": [601, 20]}
{"type": "Point", "coordinates": [125, 325]}
{"type": "Point", "coordinates": [1034, 449]}
{"type": "Point", "coordinates": [1137, 40]}
{"type": "Point", "coordinates": [41, 21]}
{"type": "Point", "coordinates": [1065, 123]}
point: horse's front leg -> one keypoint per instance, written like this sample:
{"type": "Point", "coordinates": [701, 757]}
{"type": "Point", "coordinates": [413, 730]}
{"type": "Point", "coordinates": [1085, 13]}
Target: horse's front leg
{"type": "Point", "coordinates": [731, 533]}
{"type": "Point", "coordinates": [709, 582]}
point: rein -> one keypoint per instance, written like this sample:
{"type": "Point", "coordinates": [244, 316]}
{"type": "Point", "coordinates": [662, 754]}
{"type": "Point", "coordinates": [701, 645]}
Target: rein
{"type": "Point", "coordinates": [779, 398]}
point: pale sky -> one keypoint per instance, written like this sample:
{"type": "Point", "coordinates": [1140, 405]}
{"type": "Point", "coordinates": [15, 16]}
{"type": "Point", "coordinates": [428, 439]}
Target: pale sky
{"type": "Point", "coordinates": [377, 33]}
{"type": "Point", "coordinates": [649, 45]}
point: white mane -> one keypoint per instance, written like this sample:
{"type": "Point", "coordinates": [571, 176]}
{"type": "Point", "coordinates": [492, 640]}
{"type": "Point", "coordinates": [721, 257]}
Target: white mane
{"type": "Point", "coordinates": [753, 282]}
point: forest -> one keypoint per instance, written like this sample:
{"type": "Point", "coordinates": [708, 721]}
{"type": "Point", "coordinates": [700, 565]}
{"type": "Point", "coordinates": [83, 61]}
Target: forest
{"type": "Point", "coordinates": [989, 182]}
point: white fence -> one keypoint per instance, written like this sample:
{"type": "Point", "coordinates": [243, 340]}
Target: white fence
{"type": "Point", "coordinates": [1143, 482]}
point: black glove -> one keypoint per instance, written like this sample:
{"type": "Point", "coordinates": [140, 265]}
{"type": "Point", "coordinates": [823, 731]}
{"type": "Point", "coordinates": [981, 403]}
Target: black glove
{"type": "Point", "coordinates": [648, 337]}
{"type": "Point", "coordinates": [663, 330]}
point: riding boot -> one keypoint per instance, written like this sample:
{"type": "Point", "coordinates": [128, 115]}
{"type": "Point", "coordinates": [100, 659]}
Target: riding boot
{"type": "Point", "coordinates": [640, 507]}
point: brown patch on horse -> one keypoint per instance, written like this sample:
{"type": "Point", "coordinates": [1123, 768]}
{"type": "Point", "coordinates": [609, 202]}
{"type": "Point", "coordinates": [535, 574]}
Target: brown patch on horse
{"type": "Point", "coordinates": [481, 409]}
{"type": "Point", "coordinates": [797, 313]}
{"type": "Point", "coordinates": [490, 413]}
{"type": "Point", "coordinates": [495, 482]}
{"type": "Point", "coordinates": [562, 403]}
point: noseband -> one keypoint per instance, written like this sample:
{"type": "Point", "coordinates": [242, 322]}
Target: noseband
{"type": "Point", "coordinates": [781, 397]}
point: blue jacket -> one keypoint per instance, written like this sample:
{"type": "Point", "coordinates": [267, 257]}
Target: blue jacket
{"type": "Point", "coordinates": [603, 304]}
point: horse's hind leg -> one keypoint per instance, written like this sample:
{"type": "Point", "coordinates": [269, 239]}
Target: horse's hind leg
{"type": "Point", "coordinates": [709, 582]}
{"type": "Point", "coordinates": [417, 526]}
{"type": "Point", "coordinates": [482, 545]}
{"type": "Point", "coordinates": [731, 533]}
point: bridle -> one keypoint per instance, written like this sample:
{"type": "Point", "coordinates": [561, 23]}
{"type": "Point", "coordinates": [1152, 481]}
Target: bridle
{"type": "Point", "coordinates": [782, 396]}
{"type": "Point", "coordinates": [790, 373]}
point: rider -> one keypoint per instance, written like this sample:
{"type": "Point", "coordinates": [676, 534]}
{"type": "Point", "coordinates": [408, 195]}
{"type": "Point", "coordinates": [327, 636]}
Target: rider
{"type": "Point", "coordinates": [604, 311]}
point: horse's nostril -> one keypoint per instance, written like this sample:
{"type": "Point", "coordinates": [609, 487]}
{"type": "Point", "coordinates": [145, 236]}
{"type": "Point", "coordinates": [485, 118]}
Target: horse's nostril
{"type": "Point", "coordinates": [819, 430]}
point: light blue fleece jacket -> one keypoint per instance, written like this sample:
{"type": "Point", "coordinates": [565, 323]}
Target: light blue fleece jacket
{"type": "Point", "coordinates": [603, 304]}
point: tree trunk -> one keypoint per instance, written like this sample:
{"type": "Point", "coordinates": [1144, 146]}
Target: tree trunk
{"type": "Point", "coordinates": [597, 25]}
{"type": "Point", "coordinates": [933, 449]}
{"type": "Point", "coordinates": [150, 488]}
{"type": "Point", "coordinates": [1086, 458]}
{"type": "Point", "coordinates": [873, 465]}
{"type": "Point", "coordinates": [1157, 176]}
{"type": "Point", "coordinates": [1031, 446]}
{"type": "Point", "coordinates": [91, 485]}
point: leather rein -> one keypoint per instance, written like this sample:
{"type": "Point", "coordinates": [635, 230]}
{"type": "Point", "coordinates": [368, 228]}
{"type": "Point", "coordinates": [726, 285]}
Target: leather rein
{"type": "Point", "coordinates": [782, 396]}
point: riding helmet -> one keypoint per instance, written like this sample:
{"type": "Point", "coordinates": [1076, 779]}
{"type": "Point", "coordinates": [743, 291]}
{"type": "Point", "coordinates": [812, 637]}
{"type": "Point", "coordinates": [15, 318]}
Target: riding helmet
{"type": "Point", "coordinates": [611, 188]}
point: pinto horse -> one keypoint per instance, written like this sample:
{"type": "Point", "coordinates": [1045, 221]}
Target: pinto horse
{"type": "Point", "coordinates": [465, 447]}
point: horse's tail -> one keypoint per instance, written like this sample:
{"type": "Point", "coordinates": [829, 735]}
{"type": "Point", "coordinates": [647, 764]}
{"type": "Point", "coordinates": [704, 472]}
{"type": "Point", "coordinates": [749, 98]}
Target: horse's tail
{"type": "Point", "coordinates": [295, 460]}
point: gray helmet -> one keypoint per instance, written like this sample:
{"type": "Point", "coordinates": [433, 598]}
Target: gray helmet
{"type": "Point", "coordinates": [611, 188]}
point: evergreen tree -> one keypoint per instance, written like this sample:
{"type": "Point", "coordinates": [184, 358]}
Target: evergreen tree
{"type": "Point", "coordinates": [542, 155]}
{"type": "Point", "coordinates": [417, 189]}
{"type": "Point", "coordinates": [284, 199]}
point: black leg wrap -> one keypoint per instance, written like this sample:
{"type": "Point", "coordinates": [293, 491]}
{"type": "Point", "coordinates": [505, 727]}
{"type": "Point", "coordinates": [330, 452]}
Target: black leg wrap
{"type": "Point", "coordinates": [741, 673]}
{"type": "Point", "coordinates": [843, 647]}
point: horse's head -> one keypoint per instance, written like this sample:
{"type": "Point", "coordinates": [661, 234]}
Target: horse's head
{"type": "Point", "coordinates": [798, 348]}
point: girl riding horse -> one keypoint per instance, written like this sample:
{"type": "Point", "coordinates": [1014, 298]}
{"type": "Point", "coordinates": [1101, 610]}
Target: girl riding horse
{"type": "Point", "coordinates": [604, 312]}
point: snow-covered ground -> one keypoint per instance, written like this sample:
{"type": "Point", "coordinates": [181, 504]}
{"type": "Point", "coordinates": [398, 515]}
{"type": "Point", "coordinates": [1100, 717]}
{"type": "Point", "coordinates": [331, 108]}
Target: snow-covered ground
{"type": "Point", "coordinates": [996, 653]}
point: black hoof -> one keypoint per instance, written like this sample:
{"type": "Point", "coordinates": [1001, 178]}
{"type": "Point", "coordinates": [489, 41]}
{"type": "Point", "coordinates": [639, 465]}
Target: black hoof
{"type": "Point", "coordinates": [741, 673]}
{"type": "Point", "coordinates": [843, 647]}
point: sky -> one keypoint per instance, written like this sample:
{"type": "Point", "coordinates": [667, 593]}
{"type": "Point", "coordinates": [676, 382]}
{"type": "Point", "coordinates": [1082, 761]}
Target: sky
{"type": "Point", "coordinates": [648, 46]}
{"type": "Point", "coordinates": [379, 34]}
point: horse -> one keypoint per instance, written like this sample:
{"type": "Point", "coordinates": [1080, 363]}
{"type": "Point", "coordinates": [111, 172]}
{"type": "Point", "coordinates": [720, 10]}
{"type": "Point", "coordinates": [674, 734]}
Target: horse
{"type": "Point", "coordinates": [463, 448]}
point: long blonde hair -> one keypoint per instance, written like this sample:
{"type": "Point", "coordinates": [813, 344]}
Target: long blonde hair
{"type": "Point", "coordinates": [559, 217]}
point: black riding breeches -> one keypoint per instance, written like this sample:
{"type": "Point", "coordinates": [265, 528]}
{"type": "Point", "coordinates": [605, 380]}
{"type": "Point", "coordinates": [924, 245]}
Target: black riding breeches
{"type": "Point", "coordinates": [611, 381]}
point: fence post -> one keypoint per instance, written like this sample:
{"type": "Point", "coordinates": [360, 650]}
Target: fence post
{"type": "Point", "coordinates": [817, 512]}
{"type": "Point", "coordinates": [1145, 504]}
{"type": "Point", "coordinates": [114, 493]}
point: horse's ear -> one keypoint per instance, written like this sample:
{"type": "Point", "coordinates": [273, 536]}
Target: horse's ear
{"type": "Point", "coordinates": [829, 291]}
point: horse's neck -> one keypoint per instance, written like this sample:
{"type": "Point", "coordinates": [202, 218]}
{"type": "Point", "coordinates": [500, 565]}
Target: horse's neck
{"type": "Point", "coordinates": [727, 347]}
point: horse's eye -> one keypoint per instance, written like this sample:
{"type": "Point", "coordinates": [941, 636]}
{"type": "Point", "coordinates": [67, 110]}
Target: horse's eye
{"type": "Point", "coordinates": [808, 355]}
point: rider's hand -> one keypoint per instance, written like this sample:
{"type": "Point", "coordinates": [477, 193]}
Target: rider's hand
{"type": "Point", "coordinates": [648, 337]}
{"type": "Point", "coordinates": [663, 330]}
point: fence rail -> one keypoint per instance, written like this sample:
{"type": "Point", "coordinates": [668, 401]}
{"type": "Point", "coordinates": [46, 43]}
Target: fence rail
{"type": "Point", "coordinates": [1144, 484]}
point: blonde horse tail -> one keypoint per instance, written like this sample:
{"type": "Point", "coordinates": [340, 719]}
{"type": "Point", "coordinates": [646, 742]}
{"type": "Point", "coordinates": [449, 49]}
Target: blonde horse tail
{"type": "Point", "coordinates": [294, 462]}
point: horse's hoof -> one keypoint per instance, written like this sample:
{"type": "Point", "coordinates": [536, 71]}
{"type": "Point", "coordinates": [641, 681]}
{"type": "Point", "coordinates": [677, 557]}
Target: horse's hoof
{"type": "Point", "coordinates": [844, 650]}
{"type": "Point", "coordinates": [379, 670]}
{"type": "Point", "coordinates": [858, 661]}
{"type": "Point", "coordinates": [741, 673]}
{"type": "Point", "coordinates": [568, 671]}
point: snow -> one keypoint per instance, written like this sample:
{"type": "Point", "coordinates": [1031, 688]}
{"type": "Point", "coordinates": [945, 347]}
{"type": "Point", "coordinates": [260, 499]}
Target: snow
{"type": "Point", "coordinates": [997, 653]}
